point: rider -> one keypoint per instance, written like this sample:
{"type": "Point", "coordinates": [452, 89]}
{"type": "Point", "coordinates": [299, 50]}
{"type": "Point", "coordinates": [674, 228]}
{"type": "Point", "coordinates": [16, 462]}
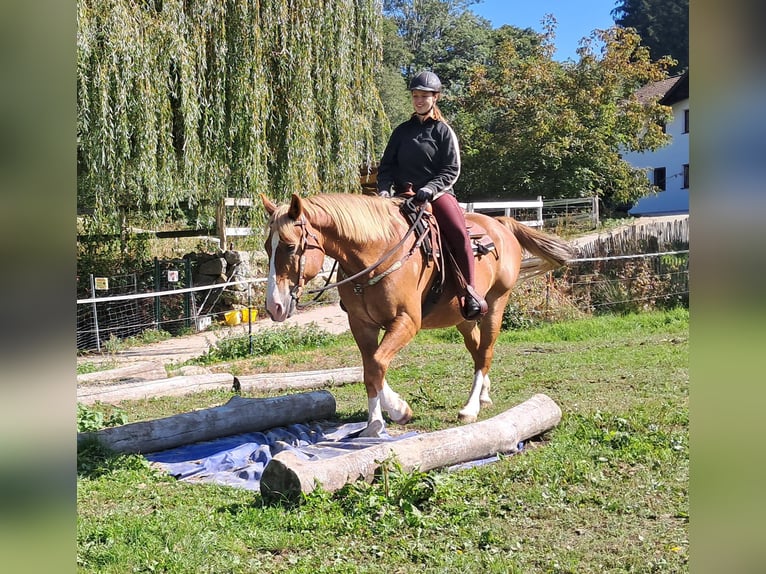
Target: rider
{"type": "Point", "coordinates": [423, 154]}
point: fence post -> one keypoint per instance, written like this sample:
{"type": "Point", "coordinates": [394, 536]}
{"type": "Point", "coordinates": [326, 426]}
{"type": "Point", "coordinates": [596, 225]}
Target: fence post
{"type": "Point", "coordinates": [540, 210]}
{"type": "Point", "coordinates": [187, 296]}
{"type": "Point", "coordinates": [95, 313]}
{"type": "Point", "coordinates": [595, 211]}
{"type": "Point", "coordinates": [157, 308]}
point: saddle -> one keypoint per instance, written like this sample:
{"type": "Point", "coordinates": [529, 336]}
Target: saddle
{"type": "Point", "coordinates": [428, 240]}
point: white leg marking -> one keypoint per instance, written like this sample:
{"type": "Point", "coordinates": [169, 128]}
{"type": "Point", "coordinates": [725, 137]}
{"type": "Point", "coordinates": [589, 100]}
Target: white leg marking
{"type": "Point", "coordinates": [471, 409]}
{"type": "Point", "coordinates": [484, 398]}
{"type": "Point", "coordinates": [375, 422]}
{"type": "Point", "coordinates": [393, 404]}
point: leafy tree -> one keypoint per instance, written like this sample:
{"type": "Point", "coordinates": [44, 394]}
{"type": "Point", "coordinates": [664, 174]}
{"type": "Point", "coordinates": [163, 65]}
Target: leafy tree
{"type": "Point", "coordinates": [441, 36]}
{"type": "Point", "coordinates": [531, 126]}
{"type": "Point", "coordinates": [391, 84]}
{"type": "Point", "coordinates": [662, 24]}
{"type": "Point", "coordinates": [184, 102]}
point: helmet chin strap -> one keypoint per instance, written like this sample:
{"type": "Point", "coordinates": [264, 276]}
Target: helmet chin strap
{"type": "Point", "coordinates": [427, 112]}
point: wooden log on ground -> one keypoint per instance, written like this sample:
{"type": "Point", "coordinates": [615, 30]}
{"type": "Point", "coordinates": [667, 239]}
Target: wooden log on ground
{"type": "Point", "coordinates": [239, 415]}
{"type": "Point", "coordinates": [142, 371]}
{"type": "Point", "coordinates": [172, 386]}
{"type": "Point", "coordinates": [300, 380]}
{"type": "Point", "coordinates": [286, 476]}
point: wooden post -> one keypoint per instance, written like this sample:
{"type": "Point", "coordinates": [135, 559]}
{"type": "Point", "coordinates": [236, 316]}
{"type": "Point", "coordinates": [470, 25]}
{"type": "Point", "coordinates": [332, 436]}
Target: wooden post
{"type": "Point", "coordinates": [286, 476]}
{"type": "Point", "coordinates": [220, 222]}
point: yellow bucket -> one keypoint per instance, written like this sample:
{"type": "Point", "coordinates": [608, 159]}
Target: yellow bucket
{"type": "Point", "coordinates": [232, 318]}
{"type": "Point", "coordinates": [249, 314]}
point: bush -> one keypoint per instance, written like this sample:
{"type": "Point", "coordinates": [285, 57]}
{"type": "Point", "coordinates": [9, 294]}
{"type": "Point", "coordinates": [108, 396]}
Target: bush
{"type": "Point", "coordinates": [268, 342]}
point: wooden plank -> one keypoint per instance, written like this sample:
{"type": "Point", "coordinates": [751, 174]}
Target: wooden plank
{"type": "Point", "coordinates": [480, 205]}
{"type": "Point", "coordinates": [238, 202]}
{"type": "Point", "coordinates": [141, 371]}
{"type": "Point", "coordinates": [238, 231]}
{"type": "Point", "coordinates": [173, 386]}
{"type": "Point", "coordinates": [300, 380]}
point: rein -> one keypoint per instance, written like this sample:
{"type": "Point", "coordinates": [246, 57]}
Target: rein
{"type": "Point", "coordinates": [420, 211]}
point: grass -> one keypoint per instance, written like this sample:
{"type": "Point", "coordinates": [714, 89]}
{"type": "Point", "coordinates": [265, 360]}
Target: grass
{"type": "Point", "coordinates": [605, 491]}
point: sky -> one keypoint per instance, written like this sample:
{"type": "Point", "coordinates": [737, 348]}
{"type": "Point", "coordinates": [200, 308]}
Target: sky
{"type": "Point", "coordinates": [576, 19]}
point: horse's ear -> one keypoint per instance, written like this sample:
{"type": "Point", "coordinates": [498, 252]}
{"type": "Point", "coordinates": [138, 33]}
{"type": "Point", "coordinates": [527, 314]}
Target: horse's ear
{"type": "Point", "coordinates": [296, 208]}
{"type": "Point", "coordinates": [269, 205]}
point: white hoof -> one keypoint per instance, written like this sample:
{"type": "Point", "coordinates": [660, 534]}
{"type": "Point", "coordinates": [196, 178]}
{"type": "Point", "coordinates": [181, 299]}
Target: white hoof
{"type": "Point", "coordinates": [373, 430]}
{"type": "Point", "coordinates": [486, 402]}
{"type": "Point", "coordinates": [466, 417]}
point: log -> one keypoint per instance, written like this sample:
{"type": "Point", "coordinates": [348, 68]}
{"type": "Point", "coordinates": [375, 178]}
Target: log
{"type": "Point", "coordinates": [142, 371]}
{"type": "Point", "coordinates": [286, 476]}
{"type": "Point", "coordinates": [172, 386]}
{"type": "Point", "coordinates": [239, 415]}
{"type": "Point", "coordinates": [300, 380]}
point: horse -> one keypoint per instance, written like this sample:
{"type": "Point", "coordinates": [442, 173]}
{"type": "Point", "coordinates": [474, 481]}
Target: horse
{"type": "Point", "coordinates": [388, 282]}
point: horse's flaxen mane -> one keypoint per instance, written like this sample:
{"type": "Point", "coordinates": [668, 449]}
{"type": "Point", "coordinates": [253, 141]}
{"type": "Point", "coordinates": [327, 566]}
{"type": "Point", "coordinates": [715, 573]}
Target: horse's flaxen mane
{"type": "Point", "coordinates": [360, 218]}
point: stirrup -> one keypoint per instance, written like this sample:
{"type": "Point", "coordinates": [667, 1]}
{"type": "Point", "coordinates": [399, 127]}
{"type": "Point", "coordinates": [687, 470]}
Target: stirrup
{"type": "Point", "coordinates": [472, 305]}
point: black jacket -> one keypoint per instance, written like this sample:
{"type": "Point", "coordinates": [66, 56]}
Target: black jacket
{"type": "Point", "coordinates": [424, 154]}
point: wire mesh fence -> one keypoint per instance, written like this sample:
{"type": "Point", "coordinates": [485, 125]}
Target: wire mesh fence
{"type": "Point", "coordinates": [125, 306]}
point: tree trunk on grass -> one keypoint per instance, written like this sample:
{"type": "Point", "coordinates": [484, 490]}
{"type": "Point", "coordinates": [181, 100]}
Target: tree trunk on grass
{"type": "Point", "coordinates": [286, 476]}
{"type": "Point", "coordinates": [239, 415]}
{"type": "Point", "coordinates": [300, 380]}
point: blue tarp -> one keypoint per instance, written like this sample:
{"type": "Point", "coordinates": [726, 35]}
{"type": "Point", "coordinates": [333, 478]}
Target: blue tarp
{"type": "Point", "coordinates": [239, 460]}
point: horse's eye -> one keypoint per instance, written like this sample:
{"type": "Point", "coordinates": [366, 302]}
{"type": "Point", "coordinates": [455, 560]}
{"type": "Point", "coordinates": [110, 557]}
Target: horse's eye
{"type": "Point", "coordinates": [291, 248]}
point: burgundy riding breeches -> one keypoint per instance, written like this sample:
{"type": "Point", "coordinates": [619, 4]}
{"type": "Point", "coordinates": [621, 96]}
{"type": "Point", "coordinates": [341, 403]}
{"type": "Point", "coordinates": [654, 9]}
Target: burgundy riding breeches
{"type": "Point", "coordinates": [451, 222]}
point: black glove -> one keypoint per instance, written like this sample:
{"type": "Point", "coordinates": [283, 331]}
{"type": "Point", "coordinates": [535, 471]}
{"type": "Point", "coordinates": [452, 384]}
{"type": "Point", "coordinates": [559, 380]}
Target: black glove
{"type": "Point", "coordinates": [424, 194]}
{"type": "Point", "coordinates": [384, 193]}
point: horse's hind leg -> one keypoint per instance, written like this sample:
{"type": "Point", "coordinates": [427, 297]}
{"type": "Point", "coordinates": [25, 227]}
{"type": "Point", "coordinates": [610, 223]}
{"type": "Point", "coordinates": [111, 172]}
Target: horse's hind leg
{"type": "Point", "coordinates": [480, 339]}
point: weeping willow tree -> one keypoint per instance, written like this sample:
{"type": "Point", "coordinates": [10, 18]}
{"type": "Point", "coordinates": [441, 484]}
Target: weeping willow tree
{"type": "Point", "coordinates": [184, 102]}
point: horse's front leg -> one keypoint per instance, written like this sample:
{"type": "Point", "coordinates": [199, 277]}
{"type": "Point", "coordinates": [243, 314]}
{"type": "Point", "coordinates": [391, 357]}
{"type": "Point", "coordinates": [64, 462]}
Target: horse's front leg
{"type": "Point", "coordinates": [376, 357]}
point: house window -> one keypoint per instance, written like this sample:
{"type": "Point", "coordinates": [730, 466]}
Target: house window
{"type": "Point", "coordinates": [686, 121]}
{"type": "Point", "coordinates": [659, 177]}
{"type": "Point", "coordinates": [686, 176]}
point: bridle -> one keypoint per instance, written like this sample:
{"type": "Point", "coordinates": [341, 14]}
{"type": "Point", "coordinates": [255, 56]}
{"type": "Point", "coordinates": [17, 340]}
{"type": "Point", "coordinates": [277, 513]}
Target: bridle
{"type": "Point", "coordinates": [303, 244]}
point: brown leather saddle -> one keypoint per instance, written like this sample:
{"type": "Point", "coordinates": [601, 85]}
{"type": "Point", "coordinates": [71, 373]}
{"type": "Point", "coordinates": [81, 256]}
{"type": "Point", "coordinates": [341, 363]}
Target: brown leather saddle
{"type": "Point", "coordinates": [427, 239]}
{"type": "Point", "coordinates": [427, 232]}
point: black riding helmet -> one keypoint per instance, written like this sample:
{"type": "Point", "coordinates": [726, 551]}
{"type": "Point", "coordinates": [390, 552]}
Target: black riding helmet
{"type": "Point", "coordinates": [426, 82]}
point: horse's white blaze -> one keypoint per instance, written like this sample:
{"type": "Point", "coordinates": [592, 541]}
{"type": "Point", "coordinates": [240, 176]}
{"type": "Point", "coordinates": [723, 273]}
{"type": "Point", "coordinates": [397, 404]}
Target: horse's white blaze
{"type": "Point", "coordinates": [391, 402]}
{"type": "Point", "coordinates": [277, 305]}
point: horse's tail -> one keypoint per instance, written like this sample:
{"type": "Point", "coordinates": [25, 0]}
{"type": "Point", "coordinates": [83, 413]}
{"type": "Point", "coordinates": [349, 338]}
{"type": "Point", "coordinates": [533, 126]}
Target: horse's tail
{"type": "Point", "coordinates": [550, 252]}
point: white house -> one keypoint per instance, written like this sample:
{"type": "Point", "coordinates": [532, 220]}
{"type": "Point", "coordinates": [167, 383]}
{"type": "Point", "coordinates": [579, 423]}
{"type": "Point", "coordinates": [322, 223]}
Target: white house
{"type": "Point", "coordinates": [667, 167]}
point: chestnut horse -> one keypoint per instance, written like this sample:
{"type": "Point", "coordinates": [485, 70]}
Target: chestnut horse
{"type": "Point", "coordinates": [368, 234]}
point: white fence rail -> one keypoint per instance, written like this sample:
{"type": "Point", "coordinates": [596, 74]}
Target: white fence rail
{"type": "Point", "coordinates": [549, 211]}
{"type": "Point", "coordinates": [509, 208]}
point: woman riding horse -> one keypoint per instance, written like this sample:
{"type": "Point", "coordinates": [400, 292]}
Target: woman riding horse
{"type": "Point", "coordinates": [423, 154]}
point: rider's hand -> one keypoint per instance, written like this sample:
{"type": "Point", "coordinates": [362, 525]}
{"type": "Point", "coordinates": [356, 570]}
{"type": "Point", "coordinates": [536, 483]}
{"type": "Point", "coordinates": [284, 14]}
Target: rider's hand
{"type": "Point", "coordinates": [384, 193]}
{"type": "Point", "coordinates": [424, 194]}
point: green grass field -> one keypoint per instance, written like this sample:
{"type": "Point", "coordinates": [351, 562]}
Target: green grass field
{"type": "Point", "coordinates": [605, 491]}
